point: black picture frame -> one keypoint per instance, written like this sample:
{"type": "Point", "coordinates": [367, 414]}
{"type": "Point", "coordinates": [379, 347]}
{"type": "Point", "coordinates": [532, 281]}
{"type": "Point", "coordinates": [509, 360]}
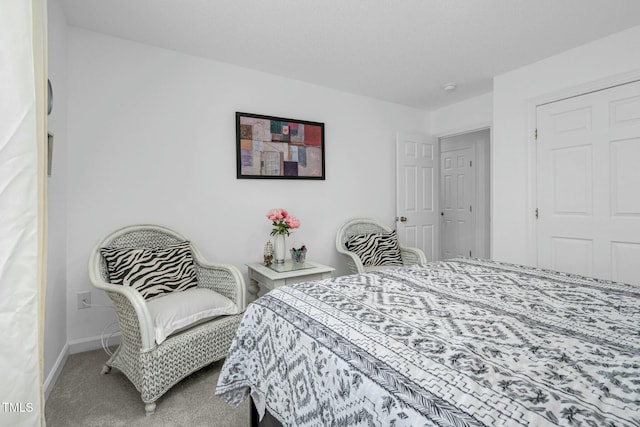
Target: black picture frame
{"type": "Point", "coordinates": [269, 147]}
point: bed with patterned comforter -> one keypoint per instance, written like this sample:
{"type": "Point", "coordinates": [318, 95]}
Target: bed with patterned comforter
{"type": "Point", "coordinates": [463, 343]}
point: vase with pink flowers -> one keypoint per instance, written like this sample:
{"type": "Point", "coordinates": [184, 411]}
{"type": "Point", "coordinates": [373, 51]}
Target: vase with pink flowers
{"type": "Point", "coordinates": [283, 223]}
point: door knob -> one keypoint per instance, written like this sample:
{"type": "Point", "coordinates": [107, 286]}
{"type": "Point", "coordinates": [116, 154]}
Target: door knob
{"type": "Point", "coordinates": [403, 219]}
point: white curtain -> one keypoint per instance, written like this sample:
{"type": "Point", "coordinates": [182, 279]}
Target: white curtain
{"type": "Point", "coordinates": [22, 209]}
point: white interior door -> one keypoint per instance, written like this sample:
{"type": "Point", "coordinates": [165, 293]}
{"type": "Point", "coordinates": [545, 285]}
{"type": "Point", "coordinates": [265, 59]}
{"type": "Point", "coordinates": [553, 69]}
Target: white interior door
{"type": "Point", "coordinates": [457, 184]}
{"type": "Point", "coordinates": [588, 184]}
{"type": "Point", "coordinates": [416, 200]}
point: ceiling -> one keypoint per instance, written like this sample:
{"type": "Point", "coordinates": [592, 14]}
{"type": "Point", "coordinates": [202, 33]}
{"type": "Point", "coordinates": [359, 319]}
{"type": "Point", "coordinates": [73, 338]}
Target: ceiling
{"type": "Point", "coordinates": [401, 51]}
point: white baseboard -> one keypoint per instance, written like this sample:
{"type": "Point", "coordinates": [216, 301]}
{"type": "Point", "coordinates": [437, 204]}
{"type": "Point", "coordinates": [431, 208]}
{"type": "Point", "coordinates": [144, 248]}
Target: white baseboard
{"type": "Point", "coordinates": [55, 371]}
{"type": "Point", "coordinates": [91, 343]}
{"type": "Point", "coordinates": [73, 347]}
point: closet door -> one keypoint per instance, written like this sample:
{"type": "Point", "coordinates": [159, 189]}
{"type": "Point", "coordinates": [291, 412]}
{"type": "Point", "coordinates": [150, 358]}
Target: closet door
{"type": "Point", "coordinates": [458, 196]}
{"type": "Point", "coordinates": [588, 184]}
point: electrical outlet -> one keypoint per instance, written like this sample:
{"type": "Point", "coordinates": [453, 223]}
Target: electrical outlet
{"type": "Point", "coordinates": [83, 296]}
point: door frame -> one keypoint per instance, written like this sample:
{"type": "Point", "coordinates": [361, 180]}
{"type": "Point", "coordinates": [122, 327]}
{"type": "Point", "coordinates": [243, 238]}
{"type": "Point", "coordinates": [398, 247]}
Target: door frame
{"type": "Point", "coordinates": [532, 124]}
{"type": "Point", "coordinates": [488, 163]}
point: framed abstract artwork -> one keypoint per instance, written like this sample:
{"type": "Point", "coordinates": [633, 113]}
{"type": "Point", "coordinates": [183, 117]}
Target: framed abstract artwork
{"type": "Point", "coordinates": [279, 148]}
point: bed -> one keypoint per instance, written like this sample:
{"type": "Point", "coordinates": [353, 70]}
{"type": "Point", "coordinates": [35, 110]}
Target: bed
{"type": "Point", "coordinates": [464, 342]}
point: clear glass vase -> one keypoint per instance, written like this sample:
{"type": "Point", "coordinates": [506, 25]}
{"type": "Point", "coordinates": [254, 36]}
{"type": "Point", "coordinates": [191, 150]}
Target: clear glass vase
{"type": "Point", "coordinates": [279, 248]}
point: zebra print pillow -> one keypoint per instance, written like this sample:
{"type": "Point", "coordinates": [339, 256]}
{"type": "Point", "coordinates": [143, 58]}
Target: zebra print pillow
{"type": "Point", "coordinates": [152, 271]}
{"type": "Point", "coordinates": [376, 248]}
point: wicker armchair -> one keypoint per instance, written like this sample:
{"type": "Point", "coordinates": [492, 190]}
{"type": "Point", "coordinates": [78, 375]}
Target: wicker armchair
{"type": "Point", "coordinates": [370, 225]}
{"type": "Point", "coordinates": [153, 368]}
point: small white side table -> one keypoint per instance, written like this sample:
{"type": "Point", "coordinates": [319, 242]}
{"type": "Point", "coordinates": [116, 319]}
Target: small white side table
{"type": "Point", "coordinates": [261, 275]}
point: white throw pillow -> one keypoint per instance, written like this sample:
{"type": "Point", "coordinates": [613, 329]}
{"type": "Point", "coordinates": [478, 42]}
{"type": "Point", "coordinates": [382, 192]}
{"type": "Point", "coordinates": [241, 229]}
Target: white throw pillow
{"type": "Point", "coordinates": [180, 310]}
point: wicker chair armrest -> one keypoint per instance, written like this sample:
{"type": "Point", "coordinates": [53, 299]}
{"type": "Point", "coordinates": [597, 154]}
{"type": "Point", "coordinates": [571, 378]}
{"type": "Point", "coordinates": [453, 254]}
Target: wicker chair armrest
{"type": "Point", "coordinates": [147, 334]}
{"type": "Point", "coordinates": [412, 255]}
{"type": "Point", "coordinates": [354, 264]}
{"type": "Point", "coordinates": [225, 279]}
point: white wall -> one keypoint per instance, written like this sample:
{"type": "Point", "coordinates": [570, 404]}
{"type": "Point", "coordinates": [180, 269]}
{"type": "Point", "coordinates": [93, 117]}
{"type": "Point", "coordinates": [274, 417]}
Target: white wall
{"type": "Point", "coordinates": [55, 338]}
{"type": "Point", "coordinates": [468, 115]}
{"type": "Point", "coordinates": [515, 95]}
{"type": "Point", "coordinates": [152, 139]}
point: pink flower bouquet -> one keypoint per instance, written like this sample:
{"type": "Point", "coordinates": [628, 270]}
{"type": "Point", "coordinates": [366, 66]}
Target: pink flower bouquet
{"type": "Point", "coordinates": [282, 221]}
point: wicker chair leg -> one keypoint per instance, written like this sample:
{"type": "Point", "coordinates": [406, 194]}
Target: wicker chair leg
{"type": "Point", "coordinates": [105, 369]}
{"type": "Point", "coordinates": [149, 408]}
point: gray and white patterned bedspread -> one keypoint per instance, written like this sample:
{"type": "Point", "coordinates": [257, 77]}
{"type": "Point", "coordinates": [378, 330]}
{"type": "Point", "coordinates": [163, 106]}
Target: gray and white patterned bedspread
{"type": "Point", "coordinates": [463, 342]}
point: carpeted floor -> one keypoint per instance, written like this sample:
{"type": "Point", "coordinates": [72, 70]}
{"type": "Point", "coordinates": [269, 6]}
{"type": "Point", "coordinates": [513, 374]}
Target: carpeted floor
{"type": "Point", "coordinates": [82, 397]}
